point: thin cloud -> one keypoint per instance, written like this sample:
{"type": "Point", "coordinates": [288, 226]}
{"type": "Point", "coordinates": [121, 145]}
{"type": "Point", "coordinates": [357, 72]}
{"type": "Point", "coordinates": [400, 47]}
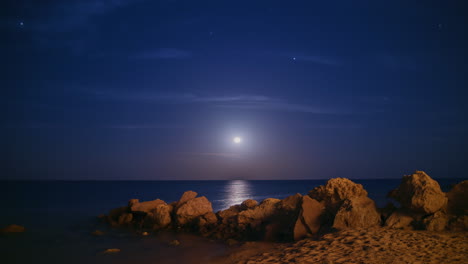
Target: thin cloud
{"type": "Point", "coordinates": [248, 102]}
{"type": "Point", "coordinates": [164, 53]}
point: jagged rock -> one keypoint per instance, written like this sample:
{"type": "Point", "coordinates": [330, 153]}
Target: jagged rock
{"type": "Point", "coordinates": [308, 221]}
{"type": "Point", "coordinates": [146, 207]}
{"type": "Point", "coordinates": [256, 215]}
{"type": "Point", "coordinates": [188, 195]}
{"type": "Point", "coordinates": [249, 203]}
{"type": "Point", "coordinates": [357, 212]}
{"type": "Point", "coordinates": [436, 222]}
{"type": "Point", "coordinates": [13, 229]}
{"type": "Point", "coordinates": [335, 191]}
{"type": "Point", "coordinates": [399, 220]}
{"type": "Point", "coordinates": [191, 209]}
{"type": "Point", "coordinates": [230, 214]}
{"type": "Point", "coordinates": [419, 193]}
{"type": "Point", "coordinates": [458, 199]}
{"type": "Point", "coordinates": [291, 203]}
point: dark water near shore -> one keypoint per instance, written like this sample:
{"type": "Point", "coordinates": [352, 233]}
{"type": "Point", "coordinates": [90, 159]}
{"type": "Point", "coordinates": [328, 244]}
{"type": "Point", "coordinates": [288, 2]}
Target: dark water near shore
{"type": "Point", "coordinates": [59, 216]}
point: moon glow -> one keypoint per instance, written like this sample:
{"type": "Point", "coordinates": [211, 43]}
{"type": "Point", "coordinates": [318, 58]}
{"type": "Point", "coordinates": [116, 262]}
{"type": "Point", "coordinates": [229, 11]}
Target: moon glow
{"type": "Point", "coordinates": [237, 140]}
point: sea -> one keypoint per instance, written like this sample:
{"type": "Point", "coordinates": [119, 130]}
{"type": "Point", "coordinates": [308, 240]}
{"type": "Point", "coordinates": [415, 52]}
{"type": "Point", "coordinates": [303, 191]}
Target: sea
{"type": "Point", "coordinates": [59, 217]}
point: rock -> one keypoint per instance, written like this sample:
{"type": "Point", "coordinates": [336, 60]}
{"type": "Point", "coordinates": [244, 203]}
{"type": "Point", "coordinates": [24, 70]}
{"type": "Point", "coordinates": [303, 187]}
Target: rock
{"type": "Point", "coordinates": [249, 203]}
{"type": "Point", "coordinates": [160, 217]}
{"type": "Point", "coordinates": [111, 250]}
{"type": "Point", "coordinates": [291, 203]}
{"type": "Point", "coordinates": [259, 213]}
{"type": "Point", "coordinates": [436, 222]}
{"type": "Point", "coordinates": [419, 193]}
{"type": "Point", "coordinates": [13, 229]}
{"type": "Point", "coordinates": [97, 233]}
{"type": "Point", "coordinates": [188, 195]}
{"type": "Point", "coordinates": [145, 206]}
{"type": "Point", "coordinates": [174, 243]}
{"type": "Point", "coordinates": [335, 191]}
{"type": "Point", "coordinates": [132, 202]}
{"type": "Point", "coordinates": [191, 209]}
{"type": "Point", "coordinates": [359, 212]}
{"type": "Point", "coordinates": [114, 215]}
{"type": "Point", "coordinates": [125, 219]}
{"type": "Point", "coordinates": [308, 221]}
{"type": "Point", "coordinates": [458, 199]}
{"type": "Point", "coordinates": [399, 220]}
{"type": "Point", "coordinates": [229, 214]}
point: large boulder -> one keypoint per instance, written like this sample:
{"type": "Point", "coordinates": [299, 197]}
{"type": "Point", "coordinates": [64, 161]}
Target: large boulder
{"type": "Point", "coordinates": [357, 212]}
{"type": "Point", "coordinates": [419, 193]}
{"type": "Point", "coordinates": [336, 191]}
{"type": "Point", "coordinates": [144, 207]}
{"type": "Point", "coordinates": [191, 209]}
{"type": "Point", "coordinates": [458, 199]}
{"type": "Point", "coordinates": [308, 221]}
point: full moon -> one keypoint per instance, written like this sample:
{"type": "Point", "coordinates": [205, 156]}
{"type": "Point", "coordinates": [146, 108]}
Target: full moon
{"type": "Point", "coordinates": [237, 140]}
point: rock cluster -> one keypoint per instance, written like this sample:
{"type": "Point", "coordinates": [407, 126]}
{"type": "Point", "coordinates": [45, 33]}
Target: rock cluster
{"type": "Point", "coordinates": [339, 204]}
{"type": "Point", "coordinates": [423, 205]}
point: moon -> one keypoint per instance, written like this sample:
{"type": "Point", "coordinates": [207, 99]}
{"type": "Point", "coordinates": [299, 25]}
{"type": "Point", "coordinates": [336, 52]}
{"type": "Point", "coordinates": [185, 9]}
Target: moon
{"type": "Point", "coordinates": [237, 140]}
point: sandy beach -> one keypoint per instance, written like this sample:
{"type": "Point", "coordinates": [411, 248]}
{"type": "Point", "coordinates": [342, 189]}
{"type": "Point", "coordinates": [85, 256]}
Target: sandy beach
{"type": "Point", "coordinates": [378, 245]}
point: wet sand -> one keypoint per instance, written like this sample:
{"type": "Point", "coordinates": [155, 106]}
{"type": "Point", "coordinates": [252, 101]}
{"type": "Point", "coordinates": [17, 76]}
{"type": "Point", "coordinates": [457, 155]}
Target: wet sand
{"type": "Point", "coordinates": [378, 245]}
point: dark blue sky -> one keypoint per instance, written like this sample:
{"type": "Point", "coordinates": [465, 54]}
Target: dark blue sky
{"type": "Point", "coordinates": [135, 89]}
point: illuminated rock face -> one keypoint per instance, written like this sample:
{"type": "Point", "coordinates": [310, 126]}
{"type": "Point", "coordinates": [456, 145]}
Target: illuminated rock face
{"type": "Point", "coordinates": [336, 191]}
{"type": "Point", "coordinates": [357, 212]}
{"type": "Point", "coordinates": [419, 193]}
{"type": "Point", "coordinates": [191, 209]}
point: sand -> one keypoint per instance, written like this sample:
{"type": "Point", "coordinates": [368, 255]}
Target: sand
{"type": "Point", "coordinates": [379, 245]}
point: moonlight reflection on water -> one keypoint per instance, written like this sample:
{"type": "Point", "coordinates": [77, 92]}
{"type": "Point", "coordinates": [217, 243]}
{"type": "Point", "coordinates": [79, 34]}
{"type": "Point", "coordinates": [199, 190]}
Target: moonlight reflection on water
{"type": "Point", "coordinates": [236, 192]}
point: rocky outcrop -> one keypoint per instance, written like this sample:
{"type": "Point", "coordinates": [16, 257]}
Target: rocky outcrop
{"type": "Point", "coordinates": [359, 212]}
{"type": "Point", "coordinates": [419, 193]}
{"type": "Point", "coordinates": [339, 204]}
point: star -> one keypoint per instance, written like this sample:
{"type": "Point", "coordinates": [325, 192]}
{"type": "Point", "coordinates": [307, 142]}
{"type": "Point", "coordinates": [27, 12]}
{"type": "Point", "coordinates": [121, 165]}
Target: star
{"type": "Point", "coordinates": [294, 58]}
{"type": "Point", "coordinates": [21, 23]}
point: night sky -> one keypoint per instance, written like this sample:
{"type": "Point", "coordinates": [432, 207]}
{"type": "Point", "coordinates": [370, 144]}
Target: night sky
{"type": "Point", "coordinates": [157, 90]}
